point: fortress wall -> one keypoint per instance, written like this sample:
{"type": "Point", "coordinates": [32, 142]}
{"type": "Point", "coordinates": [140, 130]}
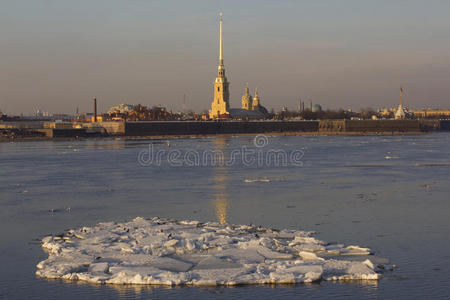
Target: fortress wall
{"type": "Point", "coordinates": [429, 125]}
{"type": "Point", "coordinates": [382, 126]}
{"type": "Point", "coordinates": [214, 127]}
{"type": "Point", "coordinates": [61, 132]}
{"type": "Point", "coordinates": [57, 132]}
{"type": "Point", "coordinates": [230, 127]}
{"type": "Point", "coordinates": [159, 128]}
{"type": "Point", "coordinates": [369, 126]}
{"type": "Point", "coordinates": [332, 126]}
{"type": "Point", "coordinates": [22, 125]}
{"type": "Point", "coordinates": [113, 128]}
{"type": "Point", "coordinates": [444, 124]}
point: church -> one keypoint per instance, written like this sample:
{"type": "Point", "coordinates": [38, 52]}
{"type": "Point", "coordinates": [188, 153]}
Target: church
{"type": "Point", "coordinates": [220, 106]}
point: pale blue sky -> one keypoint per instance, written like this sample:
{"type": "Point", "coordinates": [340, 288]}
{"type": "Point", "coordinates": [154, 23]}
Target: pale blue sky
{"type": "Point", "coordinates": [57, 54]}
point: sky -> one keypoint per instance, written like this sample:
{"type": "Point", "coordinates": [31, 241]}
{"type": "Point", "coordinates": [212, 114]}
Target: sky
{"type": "Point", "coordinates": [56, 55]}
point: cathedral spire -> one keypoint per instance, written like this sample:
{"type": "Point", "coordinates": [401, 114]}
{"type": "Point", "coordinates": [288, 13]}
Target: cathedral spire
{"type": "Point", "coordinates": [220, 105]}
{"type": "Point", "coordinates": [220, 68]}
{"type": "Point", "coordinates": [220, 41]}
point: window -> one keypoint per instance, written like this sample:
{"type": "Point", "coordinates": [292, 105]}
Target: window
{"type": "Point", "coordinates": [218, 88]}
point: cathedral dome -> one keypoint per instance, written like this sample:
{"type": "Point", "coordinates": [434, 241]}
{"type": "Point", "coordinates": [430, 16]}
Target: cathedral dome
{"type": "Point", "coordinates": [316, 108]}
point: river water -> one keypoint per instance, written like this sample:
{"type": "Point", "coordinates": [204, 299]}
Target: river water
{"type": "Point", "coordinates": [389, 193]}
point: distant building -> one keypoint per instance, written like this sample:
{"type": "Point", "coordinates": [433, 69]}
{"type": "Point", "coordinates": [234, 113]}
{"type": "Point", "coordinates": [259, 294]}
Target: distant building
{"type": "Point", "coordinates": [431, 113]}
{"type": "Point", "coordinates": [250, 103]}
{"type": "Point", "coordinates": [247, 101]}
{"type": "Point", "coordinates": [401, 112]}
{"type": "Point", "coordinates": [97, 118]}
{"type": "Point", "coordinates": [257, 104]}
{"type": "Point", "coordinates": [316, 108]}
{"type": "Point", "coordinates": [138, 113]}
{"type": "Point", "coordinates": [121, 109]}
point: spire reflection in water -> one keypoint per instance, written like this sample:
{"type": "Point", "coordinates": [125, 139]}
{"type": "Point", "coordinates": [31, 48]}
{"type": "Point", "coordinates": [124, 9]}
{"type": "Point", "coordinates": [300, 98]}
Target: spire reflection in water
{"type": "Point", "coordinates": [221, 179]}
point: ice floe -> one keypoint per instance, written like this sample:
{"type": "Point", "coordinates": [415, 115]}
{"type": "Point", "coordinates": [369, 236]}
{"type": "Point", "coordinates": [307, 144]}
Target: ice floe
{"type": "Point", "coordinates": [391, 157]}
{"type": "Point", "coordinates": [168, 252]}
{"type": "Point", "coordinates": [259, 179]}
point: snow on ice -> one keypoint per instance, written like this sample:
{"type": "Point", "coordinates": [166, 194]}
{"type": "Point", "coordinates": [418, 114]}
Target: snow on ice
{"type": "Point", "coordinates": [167, 252]}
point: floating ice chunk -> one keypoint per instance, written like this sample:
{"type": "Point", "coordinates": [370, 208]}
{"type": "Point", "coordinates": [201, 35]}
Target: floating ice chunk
{"type": "Point", "coordinates": [309, 256]}
{"type": "Point", "coordinates": [167, 252]}
{"type": "Point", "coordinates": [264, 179]}
{"type": "Point", "coordinates": [355, 250]}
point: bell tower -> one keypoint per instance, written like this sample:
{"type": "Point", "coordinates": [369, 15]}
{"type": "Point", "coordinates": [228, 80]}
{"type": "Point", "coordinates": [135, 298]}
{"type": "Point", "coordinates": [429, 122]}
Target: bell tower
{"type": "Point", "coordinates": [256, 100]}
{"type": "Point", "coordinates": [247, 99]}
{"type": "Point", "coordinates": [220, 104]}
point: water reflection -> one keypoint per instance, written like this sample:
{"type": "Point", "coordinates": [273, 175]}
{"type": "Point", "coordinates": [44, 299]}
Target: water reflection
{"type": "Point", "coordinates": [221, 199]}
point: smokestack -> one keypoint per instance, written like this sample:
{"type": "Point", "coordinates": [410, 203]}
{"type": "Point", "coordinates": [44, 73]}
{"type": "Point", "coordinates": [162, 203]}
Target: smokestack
{"type": "Point", "coordinates": [303, 106]}
{"type": "Point", "coordinates": [95, 109]}
{"type": "Point", "coordinates": [310, 105]}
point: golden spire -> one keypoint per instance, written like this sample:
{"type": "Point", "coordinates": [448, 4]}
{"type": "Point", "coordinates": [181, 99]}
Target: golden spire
{"type": "Point", "coordinates": [220, 68]}
{"type": "Point", "coordinates": [220, 42]}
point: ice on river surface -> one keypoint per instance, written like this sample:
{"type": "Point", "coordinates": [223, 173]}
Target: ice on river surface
{"type": "Point", "coordinates": [167, 252]}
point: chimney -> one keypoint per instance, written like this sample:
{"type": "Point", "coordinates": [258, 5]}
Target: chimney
{"type": "Point", "coordinates": [95, 109]}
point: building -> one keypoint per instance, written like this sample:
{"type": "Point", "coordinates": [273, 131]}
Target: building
{"type": "Point", "coordinates": [401, 112]}
{"type": "Point", "coordinates": [247, 100]}
{"type": "Point", "coordinates": [220, 107]}
{"type": "Point", "coordinates": [316, 108]}
{"type": "Point", "coordinates": [121, 109]}
{"type": "Point", "coordinates": [432, 113]}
